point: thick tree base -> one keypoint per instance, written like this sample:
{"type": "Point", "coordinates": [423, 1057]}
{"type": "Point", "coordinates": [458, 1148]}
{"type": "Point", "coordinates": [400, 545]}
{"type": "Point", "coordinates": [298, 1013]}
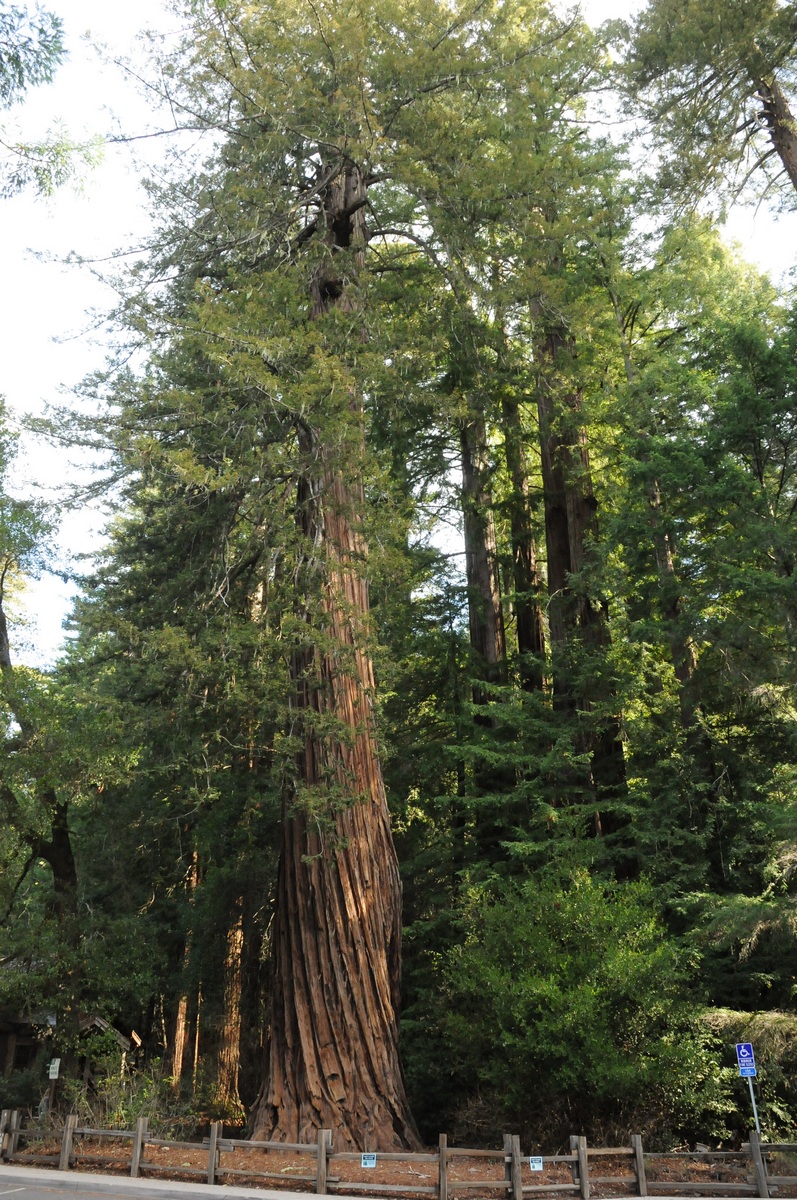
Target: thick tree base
{"type": "Point", "coordinates": [333, 1057]}
{"type": "Point", "coordinates": [374, 1128]}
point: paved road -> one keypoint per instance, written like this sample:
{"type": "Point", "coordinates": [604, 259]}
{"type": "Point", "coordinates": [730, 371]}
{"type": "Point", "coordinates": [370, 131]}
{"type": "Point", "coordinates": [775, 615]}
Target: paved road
{"type": "Point", "coordinates": [29, 1183]}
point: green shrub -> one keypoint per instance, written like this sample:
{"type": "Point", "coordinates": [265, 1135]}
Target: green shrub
{"type": "Point", "coordinates": [564, 1009]}
{"type": "Point", "coordinates": [24, 1089]}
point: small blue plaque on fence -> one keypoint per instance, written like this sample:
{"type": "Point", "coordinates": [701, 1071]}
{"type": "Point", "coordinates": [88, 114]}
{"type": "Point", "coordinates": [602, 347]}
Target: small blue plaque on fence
{"type": "Point", "coordinates": [535, 1164]}
{"type": "Point", "coordinates": [746, 1059]}
{"type": "Point", "coordinates": [368, 1160]}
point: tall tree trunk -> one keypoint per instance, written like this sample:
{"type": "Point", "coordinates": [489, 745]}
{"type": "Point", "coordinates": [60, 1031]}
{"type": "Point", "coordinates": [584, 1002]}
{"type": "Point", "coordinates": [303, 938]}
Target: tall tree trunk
{"type": "Point", "coordinates": [486, 625]}
{"type": "Point", "coordinates": [180, 1040]}
{"type": "Point", "coordinates": [526, 577]}
{"type": "Point", "coordinates": [226, 1095]}
{"type": "Point", "coordinates": [333, 1056]}
{"type": "Point", "coordinates": [570, 507]}
{"type": "Point", "coordinates": [570, 523]}
{"type": "Point", "coordinates": [781, 125]}
{"type": "Point", "coordinates": [485, 618]}
{"type": "Point", "coordinates": [57, 852]}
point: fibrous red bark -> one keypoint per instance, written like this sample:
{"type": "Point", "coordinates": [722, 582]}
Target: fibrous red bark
{"type": "Point", "coordinates": [226, 1095]}
{"type": "Point", "coordinates": [485, 616]}
{"type": "Point", "coordinates": [333, 1059]}
{"type": "Point", "coordinates": [528, 612]}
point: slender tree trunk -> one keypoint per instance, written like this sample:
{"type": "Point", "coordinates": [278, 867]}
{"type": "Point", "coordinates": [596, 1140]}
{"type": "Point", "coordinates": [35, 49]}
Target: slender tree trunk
{"type": "Point", "coordinates": [333, 1056]}
{"type": "Point", "coordinates": [57, 852]}
{"type": "Point", "coordinates": [570, 523]}
{"type": "Point", "coordinates": [227, 1097]}
{"type": "Point", "coordinates": [486, 625]}
{"type": "Point", "coordinates": [180, 1041]}
{"type": "Point", "coordinates": [485, 618]}
{"type": "Point", "coordinates": [570, 509]}
{"type": "Point", "coordinates": [526, 576]}
{"type": "Point", "coordinates": [781, 125]}
{"type": "Point", "coordinates": [198, 1026]}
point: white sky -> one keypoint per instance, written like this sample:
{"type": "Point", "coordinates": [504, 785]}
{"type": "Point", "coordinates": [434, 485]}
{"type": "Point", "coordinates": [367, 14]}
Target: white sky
{"type": "Point", "coordinates": [48, 343]}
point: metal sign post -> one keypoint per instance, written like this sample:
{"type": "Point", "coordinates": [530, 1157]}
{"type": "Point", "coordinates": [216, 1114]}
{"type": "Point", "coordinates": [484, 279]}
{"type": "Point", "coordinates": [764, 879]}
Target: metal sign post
{"type": "Point", "coordinates": [746, 1060]}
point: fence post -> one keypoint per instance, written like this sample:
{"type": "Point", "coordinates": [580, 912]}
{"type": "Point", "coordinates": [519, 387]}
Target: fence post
{"type": "Point", "coordinates": [758, 1166]}
{"type": "Point", "coordinates": [12, 1137]}
{"type": "Point", "coordinates": [213, 1150]}
{"type": "Point", "coordinates": [639, 1164]}
{"type": "Point", "coordinates": [5, 1117]}
{"type": "Point", "coordinates": [517, 1177]}
{"type": "Point", "coordinates": [508, 1162]}
{"type": "Point", "coordinates": [65, 1159]}
{"type": "Point", "coordinates": [442, 1178]}
{"type": "Point", "coordinates": [512, 1165]}
{"type": "Point", "coordinates": [583, 1167]}
{"type": "Point", "coordinates": [324, 1143]}
{"type": "Point", "coordinates": [139, 1140]}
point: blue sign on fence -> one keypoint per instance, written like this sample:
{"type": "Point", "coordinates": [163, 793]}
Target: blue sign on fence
{"type": "Point", "coordinates": [368, 1160]}
{"type": "Point", "coordinates": [745, 1059]}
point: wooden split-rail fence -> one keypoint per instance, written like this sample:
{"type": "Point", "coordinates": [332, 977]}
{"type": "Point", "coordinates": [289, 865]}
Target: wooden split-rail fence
{"type": "Point", "coordinates": [576, 1173]}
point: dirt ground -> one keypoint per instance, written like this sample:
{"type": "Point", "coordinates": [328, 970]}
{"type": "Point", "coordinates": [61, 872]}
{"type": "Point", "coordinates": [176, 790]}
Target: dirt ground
{"type": "Point", "coordinates": [609, 1176]}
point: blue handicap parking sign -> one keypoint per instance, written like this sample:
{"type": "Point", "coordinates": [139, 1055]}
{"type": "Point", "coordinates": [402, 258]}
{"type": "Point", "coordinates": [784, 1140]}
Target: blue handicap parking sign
{"type": "Point", "coordinates": [746, 1059]}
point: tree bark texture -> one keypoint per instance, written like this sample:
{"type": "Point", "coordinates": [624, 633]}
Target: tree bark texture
{"type": "Point", "coordinates": [781, 125]}
{"type": "Point", "coordinates": [526, 577]}
{"type": "Point", "coordinates": [485, 617]}
{"type": "Point", "coordinates": [570, 522]}
{"type": "Point", "coordinates": [333, 1059]}
{"type": "Point", "coordinates": [57, 852]}
{"type": "Point", "coordinates": [569, 503]}
{"type": "Point", "coordinates": [180, 1040]}
{"type": "Point", "coordinates": [227, 1097]}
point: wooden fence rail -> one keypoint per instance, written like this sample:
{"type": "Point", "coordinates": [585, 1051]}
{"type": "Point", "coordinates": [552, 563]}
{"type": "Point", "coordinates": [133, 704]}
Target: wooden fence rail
{"type": "Point", "coordinates": [514, 1175]}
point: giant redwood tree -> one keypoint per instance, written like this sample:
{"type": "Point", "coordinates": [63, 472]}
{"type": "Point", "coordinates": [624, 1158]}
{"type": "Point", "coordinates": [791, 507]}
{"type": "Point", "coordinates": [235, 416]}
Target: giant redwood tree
{"type": "Point", "coordinates": [339, 121]}
{"type": "Point", "coordinates": [333, 1055]}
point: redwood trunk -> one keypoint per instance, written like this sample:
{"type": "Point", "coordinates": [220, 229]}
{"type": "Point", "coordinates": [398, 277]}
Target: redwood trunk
{"type": "Point", "coordinates": [781, 125]}
{"type": "Point", "coordinates": [570, 522]}
{"type": "Point", "coordinates": [180, 1040]}
{"type": "Point", "coordinates": [333, 1058]}
{"type": "Point", "coordinates": [526, 577]}
{"type": "Point", "coordinates": [485, 618]}
{"type": "Point", "coordinates": [486, 624]}
{"type": "Point", "coordinates": [59, 856]}
{"type": "Point", "coordinates": [227, 1096]}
